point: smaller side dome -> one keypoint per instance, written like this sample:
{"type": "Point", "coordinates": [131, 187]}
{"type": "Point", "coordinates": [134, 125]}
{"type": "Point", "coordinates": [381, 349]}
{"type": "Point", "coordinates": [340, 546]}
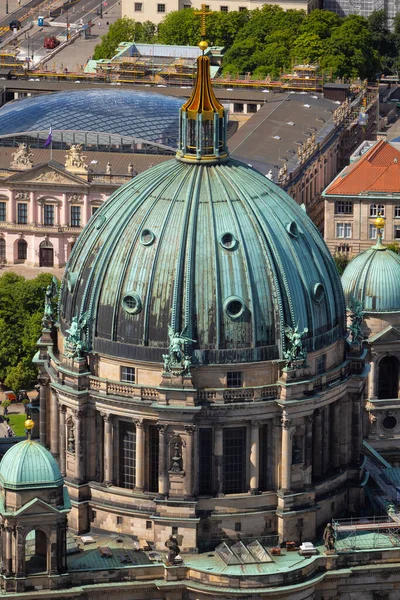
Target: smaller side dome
{"type": "Point", "coordinates": [373, 278]}
{"type": "Point", "coordinates": [29, 465]}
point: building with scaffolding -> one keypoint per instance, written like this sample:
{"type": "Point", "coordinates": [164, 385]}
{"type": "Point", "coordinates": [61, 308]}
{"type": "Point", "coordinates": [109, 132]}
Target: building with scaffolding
{"type": "Point", "coordinates": [363, 7]}
{"type": "Point", "coordinates": [155, 64]}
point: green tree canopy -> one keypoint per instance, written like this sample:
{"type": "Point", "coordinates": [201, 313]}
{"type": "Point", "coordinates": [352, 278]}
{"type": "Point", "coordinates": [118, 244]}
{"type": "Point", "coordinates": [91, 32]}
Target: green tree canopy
{"type": "Point", "coordinates": [21, 311]}
{"type": "Point", "coordinates": [123, 30]}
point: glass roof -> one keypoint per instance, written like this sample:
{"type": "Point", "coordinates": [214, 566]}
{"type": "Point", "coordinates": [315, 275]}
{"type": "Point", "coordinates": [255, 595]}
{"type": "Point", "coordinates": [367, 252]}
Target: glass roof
{"type": "Point", "coordinates": [145, 115]}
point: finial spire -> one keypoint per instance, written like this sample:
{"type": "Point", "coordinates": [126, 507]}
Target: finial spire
{"type": "Point", "coordinates": [379, 223]}
{"type": "Point", "coordinates": [202, 132]}
{"type": "Point", "coordinates": [29, 424]}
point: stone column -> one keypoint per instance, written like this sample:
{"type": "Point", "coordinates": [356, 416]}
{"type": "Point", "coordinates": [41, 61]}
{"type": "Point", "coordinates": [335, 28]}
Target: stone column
{"type": "Point", "coordinates": [162, 461]}
{"type": "Point", "coordinates": [79, 445]}
{"type": "Point", "coordinates": [356, 433]}
{"type": "Point", "coordinates": [108, 449]}
{"type": "Point", "coordinates": [195, 463]}
{"type": "Point", "coordinates": [309, 440]}
{"type": "Point", "coordinates": [65, 210]}
{"type": "Point", "coordinates": [335, 458]}
{"type": "Point", "coordinates": [20, 551]}
{"type": "Point", "coordinates": [218, 458]}
{"type": "Point", "coordinates": [372, 379]}
{"type": "Point", "coordinates": [62, 430]}
{"type": "Point", "coordinates": [254, 457]}
{"type": "Point", "coordinates": [55, 425]}
{"type": "Point", "coordinates": [286, 453]}
{"type": "Point", "coordinates": [139, 483]}
{"type": "Point", "coordinates": [345, 421]}
{"type": "Point", "coordinates": [188, 466]}
{"type": "Point", "coordinates": [317, 444]}
{"type": "Point", "coordinates": [52, 552]}
{"type": "Point", "coordinates": [326, 438]}
{"type": "Point", "coordinates": [9, 547]}
{"type": "Point", "coordinates": [42, 404]}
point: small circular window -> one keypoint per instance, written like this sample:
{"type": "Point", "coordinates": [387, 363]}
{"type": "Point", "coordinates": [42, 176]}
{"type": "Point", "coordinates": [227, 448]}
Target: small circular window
{"type": "Point", "coordinates": [228, 241]}
{"type": "Point", "coordinates": [147, 237]}
{"type": "Point", "coordinates": [100, 220]}
{"type": "Point", "coordinates": [318, 293]}
{"type": "Point", "coordinates": [389, 422]}
{"type": "Point", "coordinates": [132, 303]}
{"type": "Point", "coordinates": [234, 307]}
{"type": "Point", "coordinates": [292, 229]}
{"type": "Point", "coordinates": [71, 281]}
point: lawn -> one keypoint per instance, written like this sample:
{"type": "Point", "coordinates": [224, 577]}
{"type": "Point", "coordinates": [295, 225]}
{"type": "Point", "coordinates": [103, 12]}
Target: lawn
{"type": "Point", "coordinates": [17, 423]}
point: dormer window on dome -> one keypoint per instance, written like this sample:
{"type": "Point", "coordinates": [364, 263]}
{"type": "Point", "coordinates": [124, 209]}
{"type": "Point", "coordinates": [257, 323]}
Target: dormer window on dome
{"type": "Point", "coordinates": [202, 123]}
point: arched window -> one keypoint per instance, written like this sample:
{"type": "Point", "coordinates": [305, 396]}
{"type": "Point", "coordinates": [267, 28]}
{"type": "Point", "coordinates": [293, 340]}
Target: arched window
{"type": "Point", "coordinates": [373, 212]}
{"type": "Point", "coordinates": [22, 250]}
{"type": "Point", "coordinates": [388, 381]}
{"type": "Point", "coordinates": [2, 249]}
{"type": "Point", "coordinates": [381, 210]}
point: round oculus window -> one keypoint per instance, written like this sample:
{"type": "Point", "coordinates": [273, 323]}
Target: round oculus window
{"type": "Point", "coordinates": [228, 241]}
{"type": "Point", "coordinates": [147, 237]}
{"type": "Point", "coordinates": [318, 293]}
{"type": "Point", "coordinates": [292, 229]}
{"type": "Point", "coordinates": [71, 281]}
{"type": "Point", "coordinates": [389, 422]}
{"type": "Point", "coordinates": [234, 307]}
{"type": "Point", "coordinates": [132, 303]}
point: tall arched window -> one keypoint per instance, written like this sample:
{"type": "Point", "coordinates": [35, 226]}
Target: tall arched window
{"type": "Point", "coordinates": [388, 381]}
{"type": "Point", "coordinates": [2, 249]}
{"type": "Point", "coordinates": [373, 212]}
{"type": "Point", "coordinates": [22, 250]}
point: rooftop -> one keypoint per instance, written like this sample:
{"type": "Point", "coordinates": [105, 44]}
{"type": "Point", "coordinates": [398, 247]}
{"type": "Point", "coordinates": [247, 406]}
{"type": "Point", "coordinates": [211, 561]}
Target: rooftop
{"type": "Point", "coordinates": [376, 171]}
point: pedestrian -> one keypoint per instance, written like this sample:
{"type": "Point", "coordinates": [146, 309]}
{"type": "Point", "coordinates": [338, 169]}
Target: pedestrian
{"type": "Point", "coordinates": [107, 23]}
{"type": "Point", "coordinates": [99, 23]}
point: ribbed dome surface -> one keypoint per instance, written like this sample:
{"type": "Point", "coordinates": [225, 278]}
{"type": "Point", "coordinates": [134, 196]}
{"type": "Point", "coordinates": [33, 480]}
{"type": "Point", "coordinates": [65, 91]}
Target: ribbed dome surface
{"type": "Point", "coordinates": [29, 465]}
{"type": "Point", "coordinates": [373, 278]}
{"type": "Point", "coordinates": [219, 249]}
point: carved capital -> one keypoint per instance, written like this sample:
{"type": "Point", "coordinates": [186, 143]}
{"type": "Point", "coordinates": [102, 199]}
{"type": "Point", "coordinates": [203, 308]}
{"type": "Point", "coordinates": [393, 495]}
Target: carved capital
{"type": "Point", "coordinates": [107, 417]}
{"type": "Point", "coordinates": [190, 429]}
{"type": "Point", "coordinates": [285, 421]}
{"type": "Point", "coordinates": [162, 428]}
{"type": "Point", "coordinates": [63, 408]}
{"type": "Point", "coordinates": [80, 413]}
{"type": "Point", "coordinates": [254, 424]}
{"type": "Point", "coordinates": [139, 424]}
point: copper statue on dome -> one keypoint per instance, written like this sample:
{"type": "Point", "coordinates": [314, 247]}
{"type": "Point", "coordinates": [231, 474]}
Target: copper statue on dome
{"type": "Point", "coordinates": [296, 354]}
{"type": "Point", "coordinates": [176, 361]}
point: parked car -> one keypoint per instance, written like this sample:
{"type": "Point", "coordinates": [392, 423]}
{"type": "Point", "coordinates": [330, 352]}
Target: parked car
{"type": "Point", "coordinates": [50, 42]}
{"type": "Point", "coordinates": [15, 24]}
{"type": "Point", "coordinates": [10, 395]}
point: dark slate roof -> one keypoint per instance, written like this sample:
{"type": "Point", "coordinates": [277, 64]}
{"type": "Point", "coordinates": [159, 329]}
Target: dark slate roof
{"type": "Point", "coordinates": [273, 135]}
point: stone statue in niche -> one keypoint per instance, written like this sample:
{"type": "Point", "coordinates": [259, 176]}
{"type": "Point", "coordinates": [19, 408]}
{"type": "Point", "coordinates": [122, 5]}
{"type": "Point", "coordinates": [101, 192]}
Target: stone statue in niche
{"type": "Point", "coordinates": [173, 550]}
{"type": "Point", "coordinates": [176, 361]}
{"type": "Point", "coordinates": [296, 354]}
{"type": "Point", "coordinates": [71, 440]}
{"type": "Point", "coordinates": [176, 462]}
{"type": "Point", "coordinates": [78, 339]}
{"type": "Point", "coordinates": [356, 318]}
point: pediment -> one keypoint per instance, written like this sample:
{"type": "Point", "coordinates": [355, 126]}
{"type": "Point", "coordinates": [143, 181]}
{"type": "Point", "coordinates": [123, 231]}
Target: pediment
{"type": "Point", "coordinates": [35, 507]}
{"type": "Point", "coordinates": [50, 173]}
{"type": "Point", "coordinates": [389, 335]}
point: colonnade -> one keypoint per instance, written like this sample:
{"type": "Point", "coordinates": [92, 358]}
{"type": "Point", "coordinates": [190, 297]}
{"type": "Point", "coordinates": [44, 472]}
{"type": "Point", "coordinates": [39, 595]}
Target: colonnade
{"type": "Point", "coordinates": [330, 437]}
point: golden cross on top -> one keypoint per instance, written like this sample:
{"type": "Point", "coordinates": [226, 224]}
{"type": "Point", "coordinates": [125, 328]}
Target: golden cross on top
{"type": "Point", "coordinates": [203, 12]}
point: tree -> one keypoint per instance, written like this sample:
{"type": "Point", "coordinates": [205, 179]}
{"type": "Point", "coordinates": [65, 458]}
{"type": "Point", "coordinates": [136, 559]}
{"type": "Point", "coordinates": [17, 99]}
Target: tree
{"type": "Point", "coordinates": [21, 311]}
{"type": "Point", "coordinates": [341, 262]}
{"type": "Point", "coordinates": [181, 27]}
{"type": "Point", "coordinates": [122, 30]}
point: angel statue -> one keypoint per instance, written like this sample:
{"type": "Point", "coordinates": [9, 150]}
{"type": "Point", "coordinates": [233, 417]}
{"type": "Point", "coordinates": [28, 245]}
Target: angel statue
{"type": "Point", "coordinates": [78, 339]}
{"type": "Point", "coordinates": [296, 354]}
{"type": "Point", "coordinates": [356, 319]}
{"type": "Point", "coordinates": [51, 293]}
{"type": "Point", "coordinates": [176, 361]}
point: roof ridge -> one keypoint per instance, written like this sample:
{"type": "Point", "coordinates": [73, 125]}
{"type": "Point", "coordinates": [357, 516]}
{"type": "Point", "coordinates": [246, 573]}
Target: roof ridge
{"type": "Point", "coordinates": [373, 150]}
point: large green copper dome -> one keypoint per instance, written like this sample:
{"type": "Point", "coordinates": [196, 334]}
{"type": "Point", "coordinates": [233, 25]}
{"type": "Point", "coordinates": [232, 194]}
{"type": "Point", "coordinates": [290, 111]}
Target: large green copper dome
{"type": "Point", "coordinates": [373, 278]}
{"type": "Point", "coordinates": [215, 247]}
{"type": "Point", "coordinates": [29, 465]}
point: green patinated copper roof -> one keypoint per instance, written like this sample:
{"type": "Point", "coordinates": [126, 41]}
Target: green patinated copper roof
{"type": "Point", "coordinates": [373, 278]}
{"type": "Point", "coordinates": [185, 240]}
{"type": "Point", "coordinates": [29, 465]}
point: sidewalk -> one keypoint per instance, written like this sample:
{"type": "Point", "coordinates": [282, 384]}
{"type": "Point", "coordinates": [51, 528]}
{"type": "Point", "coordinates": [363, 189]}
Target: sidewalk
{"type": "Point", "coordinates": [12, 7]}
{"type": "Point", "coordinates": [75, 56]}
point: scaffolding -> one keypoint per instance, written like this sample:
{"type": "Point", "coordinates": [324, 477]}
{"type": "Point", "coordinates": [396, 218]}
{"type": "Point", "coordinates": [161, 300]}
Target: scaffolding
{"type": "Point", "coordinates": [367, 533]}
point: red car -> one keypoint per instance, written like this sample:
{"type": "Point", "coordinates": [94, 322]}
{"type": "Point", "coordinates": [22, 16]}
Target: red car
{"type": "Point", "coordinates": [50, 42]}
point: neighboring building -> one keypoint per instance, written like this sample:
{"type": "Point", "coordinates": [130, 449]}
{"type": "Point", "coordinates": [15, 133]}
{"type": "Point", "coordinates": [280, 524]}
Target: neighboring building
{"type": "Point", "coordinates": [44, 205]}
{"type": "Point", "coordinates": [363, 8]}
{"type": "Point", "coordinates": [197, 382]}
{"type": "Point", "coordinates": [154, 63]}
{"type": "Point", "coordinates": [155, 11]}
{"type": "Point", "coordinates": [369, 186]}
{"type": "Point", "coordinates": [373, 279]}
